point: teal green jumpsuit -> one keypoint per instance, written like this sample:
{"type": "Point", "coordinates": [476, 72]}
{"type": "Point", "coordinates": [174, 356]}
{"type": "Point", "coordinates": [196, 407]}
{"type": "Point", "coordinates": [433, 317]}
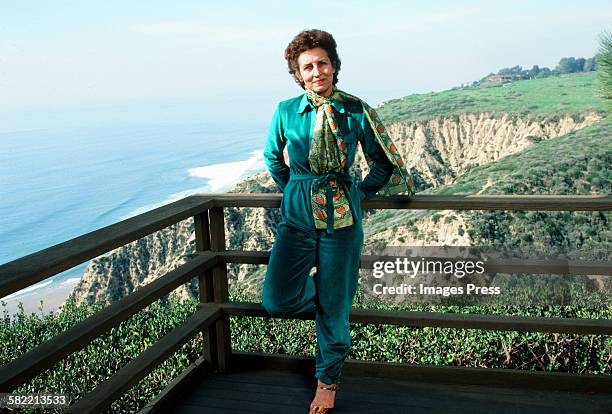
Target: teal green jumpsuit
{"type": "Point", "coordinates": [288, 288]}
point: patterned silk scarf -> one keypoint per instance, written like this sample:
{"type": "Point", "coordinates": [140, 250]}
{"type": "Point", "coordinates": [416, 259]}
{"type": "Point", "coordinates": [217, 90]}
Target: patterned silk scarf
{"type": "Point", "coordinates": [328, 157]}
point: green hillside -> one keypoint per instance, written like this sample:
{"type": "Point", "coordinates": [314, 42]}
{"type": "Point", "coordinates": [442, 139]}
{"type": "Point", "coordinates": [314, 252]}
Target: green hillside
{"type": "Point", "coordinates": [572, 94]}
{"type": "Point", "coordinates": [577, 163]}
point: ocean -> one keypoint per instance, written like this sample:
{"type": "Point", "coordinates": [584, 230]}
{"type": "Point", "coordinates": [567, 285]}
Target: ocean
{"type": "Point", "coordinates": [59, 183]}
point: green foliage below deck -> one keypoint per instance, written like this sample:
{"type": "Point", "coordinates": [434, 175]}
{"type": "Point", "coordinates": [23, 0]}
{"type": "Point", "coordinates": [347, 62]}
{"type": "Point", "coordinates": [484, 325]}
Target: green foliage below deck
{"type": "Point", "coordinates": [84, 370]}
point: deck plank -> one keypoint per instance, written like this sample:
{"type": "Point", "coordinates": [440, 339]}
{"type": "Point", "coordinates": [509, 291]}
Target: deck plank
{"type": "Point", "coordinates": [258, 390]}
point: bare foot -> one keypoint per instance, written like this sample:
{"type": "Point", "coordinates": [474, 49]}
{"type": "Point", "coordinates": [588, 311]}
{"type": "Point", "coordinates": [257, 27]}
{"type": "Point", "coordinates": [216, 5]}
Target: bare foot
{"type": "Point", "coordinates": [324, 398]}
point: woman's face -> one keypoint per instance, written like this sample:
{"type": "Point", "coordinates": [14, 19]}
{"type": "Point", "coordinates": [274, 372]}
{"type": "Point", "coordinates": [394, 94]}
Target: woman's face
{"type": "Point", "coordinates": [316, 71]}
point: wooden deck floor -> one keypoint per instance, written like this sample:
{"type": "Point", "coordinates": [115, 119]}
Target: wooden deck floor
{"type": "Point", "coordinates": [264, 390]}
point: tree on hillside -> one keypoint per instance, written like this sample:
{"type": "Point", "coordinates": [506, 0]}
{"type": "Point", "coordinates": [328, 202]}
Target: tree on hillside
{"type": "Point", "coordinates": [590, 64]}
{"type": "Point", "coordinates": [565, 65]}
{"type": "Point", "coordinates": [569, 65]}
{"type": "Point", "coordinates": [604, 66]}
{"type": "Point", "coordinates": [514, 71]}
{"type": "Point", "coordinates": [533, 72]}
{"type": "Point", "coordinates": [544, 73]}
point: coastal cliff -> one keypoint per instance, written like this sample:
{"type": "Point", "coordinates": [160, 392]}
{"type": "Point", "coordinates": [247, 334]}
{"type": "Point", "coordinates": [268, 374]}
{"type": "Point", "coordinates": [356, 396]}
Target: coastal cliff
{"type": "Point", "coordinates": [442, 148]}
{"type": "Point", "coordinates": [440, 152]}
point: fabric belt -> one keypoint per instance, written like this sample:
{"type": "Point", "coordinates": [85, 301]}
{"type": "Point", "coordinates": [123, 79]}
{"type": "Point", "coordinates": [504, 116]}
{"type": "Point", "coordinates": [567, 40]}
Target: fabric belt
{"type": "Point", "coordinates": [323, 180]}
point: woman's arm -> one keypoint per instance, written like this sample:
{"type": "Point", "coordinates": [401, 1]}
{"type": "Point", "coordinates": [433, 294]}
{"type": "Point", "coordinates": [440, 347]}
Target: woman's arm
{"type": "Point", "coordinates": [380, 170]}
{"type": "Point", "coordinates": [273, 151]}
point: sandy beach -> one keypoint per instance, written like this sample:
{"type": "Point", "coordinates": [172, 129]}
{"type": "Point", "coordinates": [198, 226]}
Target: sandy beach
{"type": "Point", "coordinates": [52, 294]}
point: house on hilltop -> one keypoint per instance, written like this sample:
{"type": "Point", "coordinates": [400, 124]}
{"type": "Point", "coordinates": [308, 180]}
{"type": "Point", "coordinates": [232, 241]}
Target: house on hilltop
{"type": "Point", "coordinates": [497, 78]}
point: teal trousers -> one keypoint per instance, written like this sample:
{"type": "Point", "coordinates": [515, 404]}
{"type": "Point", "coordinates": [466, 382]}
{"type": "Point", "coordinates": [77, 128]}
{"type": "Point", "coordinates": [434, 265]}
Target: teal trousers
{"type": "Point", "coordinates": [289, 289]}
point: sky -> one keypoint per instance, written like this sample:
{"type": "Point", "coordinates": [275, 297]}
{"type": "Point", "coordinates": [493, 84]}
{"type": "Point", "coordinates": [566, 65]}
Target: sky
{"type": "Point", "coordinates": [108, 61]}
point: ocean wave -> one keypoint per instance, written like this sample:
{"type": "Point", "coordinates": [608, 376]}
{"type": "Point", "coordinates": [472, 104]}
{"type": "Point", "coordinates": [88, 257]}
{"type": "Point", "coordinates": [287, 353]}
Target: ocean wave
{"type": "Point", "coordinates": [71, 281]}
{"type": "Point", "coordinates": [27, 290]}
{"type": "Point", "coordinates": [219, 178]}
{"type": "Point", "coordinates": [111, 212]}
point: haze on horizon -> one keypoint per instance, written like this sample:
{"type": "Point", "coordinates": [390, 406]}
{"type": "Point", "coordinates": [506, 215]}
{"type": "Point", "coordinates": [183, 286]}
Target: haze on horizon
{"type": "Point", "coordinates": [108, 61]}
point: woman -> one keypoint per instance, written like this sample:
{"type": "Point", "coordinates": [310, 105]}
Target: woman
{"type": "Point", "coordinates": [321, 206]}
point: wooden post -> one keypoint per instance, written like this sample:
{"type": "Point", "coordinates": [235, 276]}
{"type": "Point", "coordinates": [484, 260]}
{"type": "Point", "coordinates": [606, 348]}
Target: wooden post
{"type": "Point", "coordinates": [220, 288]}
{"type": "Point", "coordinates": [205, 288]}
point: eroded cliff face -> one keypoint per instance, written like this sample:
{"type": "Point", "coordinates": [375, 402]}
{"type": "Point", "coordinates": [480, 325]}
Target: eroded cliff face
{"type": "Point", "coordinates": [123, 270]}
{"type": "Point", "coordinates": [438, 151]}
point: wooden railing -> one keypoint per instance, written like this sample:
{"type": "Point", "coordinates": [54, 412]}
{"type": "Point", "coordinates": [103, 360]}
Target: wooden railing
{"type": "Point", "coordinates": [209, 265]}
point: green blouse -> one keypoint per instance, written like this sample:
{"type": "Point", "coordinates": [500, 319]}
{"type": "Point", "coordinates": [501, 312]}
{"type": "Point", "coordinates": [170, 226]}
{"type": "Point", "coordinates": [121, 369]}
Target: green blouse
{"type": "Point", "coordinates": [292, 127]}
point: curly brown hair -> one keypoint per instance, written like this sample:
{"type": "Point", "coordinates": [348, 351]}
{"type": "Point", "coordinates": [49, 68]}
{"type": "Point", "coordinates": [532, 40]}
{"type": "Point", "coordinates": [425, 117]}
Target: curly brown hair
{"type": "Point", "coordinates": [310, 39]}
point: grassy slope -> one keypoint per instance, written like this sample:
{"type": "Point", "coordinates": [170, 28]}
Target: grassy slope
{"type": "Point", "coordinates": [576, 163]}
{"type": "Point", "coordinates": [572, 164]}
{"type": "Point", "coordinates": [574, 94]}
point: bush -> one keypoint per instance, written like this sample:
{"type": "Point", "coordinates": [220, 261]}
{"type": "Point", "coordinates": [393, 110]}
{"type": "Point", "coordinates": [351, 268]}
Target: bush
{"type": "Point", "coordinates": [82, 371]}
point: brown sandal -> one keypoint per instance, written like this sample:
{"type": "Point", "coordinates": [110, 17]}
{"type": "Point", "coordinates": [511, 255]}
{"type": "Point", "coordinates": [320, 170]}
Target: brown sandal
{"type": "Point", "coordinates": [318, 409]}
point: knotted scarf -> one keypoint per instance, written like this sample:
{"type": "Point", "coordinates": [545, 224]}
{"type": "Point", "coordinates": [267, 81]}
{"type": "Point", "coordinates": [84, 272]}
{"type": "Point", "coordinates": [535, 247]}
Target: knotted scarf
{"type": "Point", "coordinates": [328, 158]}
